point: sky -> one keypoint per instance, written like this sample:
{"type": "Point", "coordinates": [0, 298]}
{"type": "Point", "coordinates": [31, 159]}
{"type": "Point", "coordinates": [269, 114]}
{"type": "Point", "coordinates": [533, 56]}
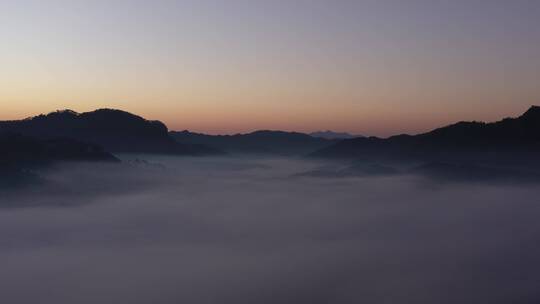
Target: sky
{"type": "Point", "coordinates": [366, 67]}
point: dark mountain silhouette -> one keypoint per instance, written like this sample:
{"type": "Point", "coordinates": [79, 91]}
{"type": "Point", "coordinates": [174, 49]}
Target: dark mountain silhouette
{"type": "Point", "coordinates": [115, 130]}
{"type": "Point", "coordinates": [332, 135]}
{"type": "Point", "coordinates": [511, 141]}
{"type": "Point", "coordinates": [259, 142]}
{"type": "Point", "coordinates": [16, 148]}
{"type": "Point", "coordinates": [21, 155]}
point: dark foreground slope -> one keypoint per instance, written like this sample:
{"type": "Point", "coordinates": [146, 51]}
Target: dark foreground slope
{"type": "Point", "coordinates": [259, 142]}
{"type": "Point", "coordinates": [509, 141]}
{"type": "Point", "coordinates": [21, 155]}
{"type": "Point", "coordinates": [114, 130]}
{"type": "Point", "coordinates": [16, 148]}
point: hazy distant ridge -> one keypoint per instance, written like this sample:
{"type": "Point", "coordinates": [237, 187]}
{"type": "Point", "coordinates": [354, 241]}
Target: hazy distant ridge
{"type": "Point", "coordinates": [258, 142]}
{"type": "Point", "coordinates": [333, 135]}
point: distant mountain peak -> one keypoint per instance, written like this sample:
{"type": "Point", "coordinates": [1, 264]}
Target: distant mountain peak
{"type": "Point", "coordinates": [113, 111]}
{"type": "Point", "coordinates": [65, 111]}
{"type": "Point", "coordinates": [328, 134]}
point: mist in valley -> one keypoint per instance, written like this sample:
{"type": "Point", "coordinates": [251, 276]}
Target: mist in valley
{"type": "Point", "coordinates": [258, 230]}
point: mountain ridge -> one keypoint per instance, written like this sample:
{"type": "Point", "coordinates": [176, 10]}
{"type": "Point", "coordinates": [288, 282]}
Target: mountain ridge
{"type": "Point", "coordinates": [268, 142]}
{"type": "Point", "coordinates": [328, 134]}
{"type": "Point", "coordinates": [115, 130]}
{"type": "Point", "coordinates": [464, 141]}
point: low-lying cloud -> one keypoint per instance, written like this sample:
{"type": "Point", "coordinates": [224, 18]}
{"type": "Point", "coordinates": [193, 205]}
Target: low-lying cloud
{"type": "Point", "coordinates": [226, 230]}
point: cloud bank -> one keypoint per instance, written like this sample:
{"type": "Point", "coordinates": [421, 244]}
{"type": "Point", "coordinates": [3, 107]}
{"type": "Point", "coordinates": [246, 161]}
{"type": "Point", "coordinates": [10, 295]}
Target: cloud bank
{"type": "Point", "coordinates": [226, 230]}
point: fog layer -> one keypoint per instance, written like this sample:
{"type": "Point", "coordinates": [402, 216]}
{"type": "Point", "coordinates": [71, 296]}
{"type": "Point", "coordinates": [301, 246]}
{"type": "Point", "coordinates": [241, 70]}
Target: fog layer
{"type": "Point", "coordinates": [226, 230]}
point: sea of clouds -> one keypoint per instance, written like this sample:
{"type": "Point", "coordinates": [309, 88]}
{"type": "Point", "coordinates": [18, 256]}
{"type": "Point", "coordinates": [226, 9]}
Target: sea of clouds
{"type": "Point", "coordinates": [249, 230]}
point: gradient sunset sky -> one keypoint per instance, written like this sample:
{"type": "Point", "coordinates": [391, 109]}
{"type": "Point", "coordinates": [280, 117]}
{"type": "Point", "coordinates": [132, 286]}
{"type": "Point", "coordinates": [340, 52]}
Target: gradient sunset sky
{"type": "Point", "coordinates": [366, 67]}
